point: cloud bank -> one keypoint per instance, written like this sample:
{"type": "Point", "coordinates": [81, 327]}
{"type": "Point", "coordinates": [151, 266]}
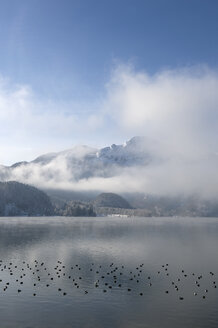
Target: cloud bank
{"type": "Point", "coordinates": [176, 110]}
{"type": "Point", "coordinates": [178, 107]}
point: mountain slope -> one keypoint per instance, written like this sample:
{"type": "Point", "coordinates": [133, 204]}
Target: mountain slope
{"type": "Point", "coordinates": [20, 199]}
{"type": "Point", "coordinates": [111, 200]}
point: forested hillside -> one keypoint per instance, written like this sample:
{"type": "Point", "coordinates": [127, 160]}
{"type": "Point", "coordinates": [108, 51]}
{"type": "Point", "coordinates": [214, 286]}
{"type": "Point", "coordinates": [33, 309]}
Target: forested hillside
{"type": "Point", "coordinates": [21, 199]}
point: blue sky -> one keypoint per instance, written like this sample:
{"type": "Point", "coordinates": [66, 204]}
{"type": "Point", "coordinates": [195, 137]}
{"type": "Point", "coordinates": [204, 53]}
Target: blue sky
{"type": "Point", "coordinates": [59, 60]}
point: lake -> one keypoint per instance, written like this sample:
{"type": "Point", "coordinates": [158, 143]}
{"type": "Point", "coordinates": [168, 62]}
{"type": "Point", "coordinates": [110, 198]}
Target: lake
{"type": "Point", "coordinates": [108, 272]}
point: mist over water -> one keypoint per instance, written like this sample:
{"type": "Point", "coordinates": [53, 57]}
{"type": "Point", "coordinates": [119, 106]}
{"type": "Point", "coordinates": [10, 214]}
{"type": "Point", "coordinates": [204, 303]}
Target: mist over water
{"type": "Point", "coordinates": [156, 252]}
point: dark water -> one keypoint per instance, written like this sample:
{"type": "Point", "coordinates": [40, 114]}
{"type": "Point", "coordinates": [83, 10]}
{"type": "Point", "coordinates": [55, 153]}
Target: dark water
{"type": "Point", "coordinates": [108, 272]}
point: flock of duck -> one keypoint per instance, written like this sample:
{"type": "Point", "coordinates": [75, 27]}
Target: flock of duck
{"type": "Point", "coordinates": [104, 278]}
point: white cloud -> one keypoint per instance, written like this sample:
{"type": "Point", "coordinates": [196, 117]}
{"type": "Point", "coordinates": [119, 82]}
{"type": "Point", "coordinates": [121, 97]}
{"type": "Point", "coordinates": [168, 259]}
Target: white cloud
{"type": "Point", "coordinates": [178, 107]}
{"type": "Point", "coordinates": [177, 110]}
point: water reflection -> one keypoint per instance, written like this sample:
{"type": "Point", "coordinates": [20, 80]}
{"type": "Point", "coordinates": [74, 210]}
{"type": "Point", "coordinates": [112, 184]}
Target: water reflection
{"type": "Point", "coordinates": [108, 272]}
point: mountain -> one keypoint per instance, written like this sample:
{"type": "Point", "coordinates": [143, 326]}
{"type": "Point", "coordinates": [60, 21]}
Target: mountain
{"type": "Point", "coordinates": [131, 153]}
{"type": "Point", "coordinates": [20, 199]}
{"type": "Point", "coordinates": [75, 177]}
{"type": "Point", "coordinates": [74, 208]}
{"type": "Point", "coordinates": [79, 163]}
{"type": "Point", "coordinates": [111, 200]}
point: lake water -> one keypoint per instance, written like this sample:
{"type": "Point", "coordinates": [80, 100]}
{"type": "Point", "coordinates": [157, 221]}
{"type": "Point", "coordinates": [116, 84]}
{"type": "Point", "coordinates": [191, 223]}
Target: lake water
{"type": "Point", "coordinates": [108, 272]}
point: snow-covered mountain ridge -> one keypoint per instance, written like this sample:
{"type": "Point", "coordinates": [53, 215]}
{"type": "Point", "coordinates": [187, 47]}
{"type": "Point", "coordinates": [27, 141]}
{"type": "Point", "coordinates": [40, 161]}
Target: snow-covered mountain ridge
{"type": "Point", "coordinates": [79, 163]}
{"type": "Point", "coordinates": [130, 153]}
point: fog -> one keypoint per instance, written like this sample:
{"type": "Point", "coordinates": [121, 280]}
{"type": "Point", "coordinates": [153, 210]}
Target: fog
{"type": "Point", "coordinates": [177, 113]}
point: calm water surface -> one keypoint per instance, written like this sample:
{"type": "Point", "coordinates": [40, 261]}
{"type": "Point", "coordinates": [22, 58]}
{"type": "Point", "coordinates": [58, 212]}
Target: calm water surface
{"type": "Point", "coordinates": [108, 272]}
